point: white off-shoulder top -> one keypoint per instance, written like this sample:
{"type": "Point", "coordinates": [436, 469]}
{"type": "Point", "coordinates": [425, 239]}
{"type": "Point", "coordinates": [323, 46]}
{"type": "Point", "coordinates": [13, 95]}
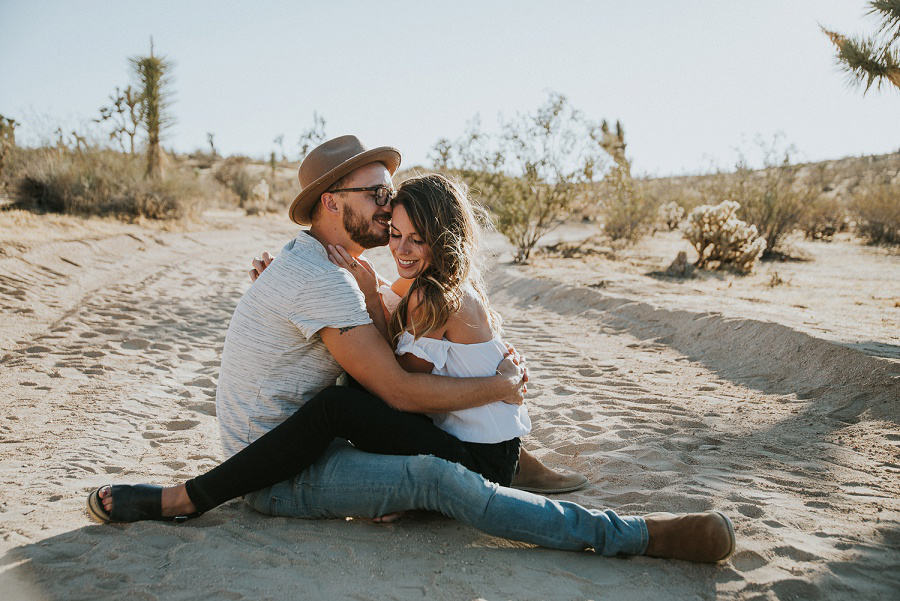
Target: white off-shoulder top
{"type": "Point", "coordinates": [490, 423]}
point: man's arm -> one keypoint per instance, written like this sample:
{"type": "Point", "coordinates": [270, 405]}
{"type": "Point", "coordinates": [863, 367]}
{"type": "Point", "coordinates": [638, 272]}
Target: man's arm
{"type": "Point", "coordinates": [366, 356]}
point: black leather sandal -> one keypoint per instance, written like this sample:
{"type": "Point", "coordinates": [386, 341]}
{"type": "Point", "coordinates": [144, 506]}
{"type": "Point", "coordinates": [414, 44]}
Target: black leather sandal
{"type": "Point", "coordinates": [132, 503]}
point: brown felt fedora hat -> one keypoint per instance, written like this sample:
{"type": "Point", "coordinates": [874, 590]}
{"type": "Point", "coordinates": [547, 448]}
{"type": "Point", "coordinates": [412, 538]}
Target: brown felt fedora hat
{"type": "Point", "coordinates": [331, 161]}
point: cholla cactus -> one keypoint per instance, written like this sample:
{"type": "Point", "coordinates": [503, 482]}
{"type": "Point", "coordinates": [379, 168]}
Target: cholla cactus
{"type": "Point", "coordinates": [721, 239]}
{"type": "Point", "coordinates": [260, 193]}
{"type": "Point", "coordinates": [671, 215]}
{"type": "Point", "coordinates": [258, 198]}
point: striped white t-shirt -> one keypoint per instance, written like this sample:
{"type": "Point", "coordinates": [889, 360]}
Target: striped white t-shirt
{"type": "Point", "coordinates": [274, 359]}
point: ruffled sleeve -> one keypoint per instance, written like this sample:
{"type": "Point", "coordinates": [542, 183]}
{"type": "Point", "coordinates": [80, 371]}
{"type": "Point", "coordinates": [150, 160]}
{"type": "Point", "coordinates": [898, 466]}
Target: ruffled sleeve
{"type": "Point", "coordinates": [431, 350]}
{"type": "Point", "coordinates": [390, 298]}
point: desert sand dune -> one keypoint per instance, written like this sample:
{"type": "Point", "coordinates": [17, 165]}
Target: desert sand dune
{"type": "Point", "coordinates": [108, 364]}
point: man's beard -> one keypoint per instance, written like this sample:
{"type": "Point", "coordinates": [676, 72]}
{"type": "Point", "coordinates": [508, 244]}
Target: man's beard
{"type": "Point", "coordinates": [365, 233]}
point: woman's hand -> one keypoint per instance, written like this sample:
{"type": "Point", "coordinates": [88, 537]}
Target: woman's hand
{"type": "Point", "coordinates": [513, 369]}
{"type": "Point", "coordinates": [362, 271]}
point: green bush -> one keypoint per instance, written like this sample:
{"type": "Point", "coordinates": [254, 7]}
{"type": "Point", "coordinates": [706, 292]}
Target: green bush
{"type": "Point", "coordinates": [775, 199]}
{"type": "Point", "coordinates": [877, 210]}
{"type": "Point", "coordinates": [234, 175]}
{"type": "Point", "coordinates": [101, 182]}
{"type": "Point", "coordinates": [533, 173]}
{"type": "Point", "coordinates": [628, 213]}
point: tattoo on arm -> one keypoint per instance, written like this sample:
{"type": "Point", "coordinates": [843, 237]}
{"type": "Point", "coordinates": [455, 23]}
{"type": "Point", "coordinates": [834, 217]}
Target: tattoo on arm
{"type": "Point", "coordinates": [343, 329]}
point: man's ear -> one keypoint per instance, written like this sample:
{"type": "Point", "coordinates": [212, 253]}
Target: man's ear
{"type": "Point", "coordinates": [329, 203]}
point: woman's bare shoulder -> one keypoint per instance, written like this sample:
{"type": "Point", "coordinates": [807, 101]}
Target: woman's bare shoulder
{"type": "Point", "coordinates": [471, 324]}
{"type": "Point", "coordinates": [401, 286]}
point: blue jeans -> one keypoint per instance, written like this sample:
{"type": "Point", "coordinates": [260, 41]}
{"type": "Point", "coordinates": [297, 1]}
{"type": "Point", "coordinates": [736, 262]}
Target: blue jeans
{"type": "Point", "coordinates": [345, 482]}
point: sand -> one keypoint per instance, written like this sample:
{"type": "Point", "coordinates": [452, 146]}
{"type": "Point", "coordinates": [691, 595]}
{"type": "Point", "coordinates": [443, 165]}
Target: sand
{"type": "Point", "coordinates": [776, 404]}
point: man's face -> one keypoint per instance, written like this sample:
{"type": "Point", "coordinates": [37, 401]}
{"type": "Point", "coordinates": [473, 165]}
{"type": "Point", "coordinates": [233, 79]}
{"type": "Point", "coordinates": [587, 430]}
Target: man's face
{"type": "Point", "coordinates": [366, 223]}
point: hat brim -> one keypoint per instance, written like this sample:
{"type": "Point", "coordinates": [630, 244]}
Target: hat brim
{"type": "Point", "coordinates": [302, 206]}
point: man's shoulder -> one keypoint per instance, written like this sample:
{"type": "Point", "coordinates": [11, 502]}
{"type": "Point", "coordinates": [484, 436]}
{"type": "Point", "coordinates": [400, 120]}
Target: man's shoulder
{"type": "Point", "coordinates": [302, 271]}
{"type": "Point", "coordinates": [300, 261]}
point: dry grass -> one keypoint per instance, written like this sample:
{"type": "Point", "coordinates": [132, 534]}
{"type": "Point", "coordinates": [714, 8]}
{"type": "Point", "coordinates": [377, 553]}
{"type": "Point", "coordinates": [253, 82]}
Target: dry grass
{"type": "Point", "coordinates": [877, 209]}
{"type": "Point", "coordinates": [100, 183]}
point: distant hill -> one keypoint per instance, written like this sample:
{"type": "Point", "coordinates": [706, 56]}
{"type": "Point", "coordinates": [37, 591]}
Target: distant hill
{"type": "Point", "coordinates": [838, 179]}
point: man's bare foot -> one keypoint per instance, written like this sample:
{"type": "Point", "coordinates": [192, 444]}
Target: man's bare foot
{"type": "Point", "coordinates": [175, 501]}
{"type": "Point", "coordinates": [536, 477]}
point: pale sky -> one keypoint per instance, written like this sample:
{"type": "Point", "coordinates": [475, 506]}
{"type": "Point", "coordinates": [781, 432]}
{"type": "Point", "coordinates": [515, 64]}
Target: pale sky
{"type": "Point", "coordinates": [689, 80]}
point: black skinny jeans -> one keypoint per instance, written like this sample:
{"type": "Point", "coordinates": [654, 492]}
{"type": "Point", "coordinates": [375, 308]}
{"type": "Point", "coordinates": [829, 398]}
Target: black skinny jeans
{"type": "Point", "coordinates": [363, 419]}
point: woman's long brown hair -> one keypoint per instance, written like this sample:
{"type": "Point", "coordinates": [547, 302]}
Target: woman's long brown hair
{"type": "Point", "coordinates": [445, 218]}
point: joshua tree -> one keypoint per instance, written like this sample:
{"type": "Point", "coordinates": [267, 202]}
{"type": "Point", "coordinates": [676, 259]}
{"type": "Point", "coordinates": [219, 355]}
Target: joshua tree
{"type": "Point", "coordinates": [872, 59]}
{"type": "Point", "coordinates": [153, 74]}
{"type": "Point", "coordinates": [313, 136]}
{"type": "Point", "coordinates": [126, 114]}
{"type": "Point", "coordinates": [210, 137]}
{"type": "Point", "coordinates": [7, 140]}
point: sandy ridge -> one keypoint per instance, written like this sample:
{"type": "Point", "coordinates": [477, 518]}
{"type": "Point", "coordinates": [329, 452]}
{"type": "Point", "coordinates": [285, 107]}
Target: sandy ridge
{"type": "Point", "coordinates": [846, 382]}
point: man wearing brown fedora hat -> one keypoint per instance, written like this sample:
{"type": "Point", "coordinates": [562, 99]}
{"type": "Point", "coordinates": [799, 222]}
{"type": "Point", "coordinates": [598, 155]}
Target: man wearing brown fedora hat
{"type": "Point", "coordinates": [305, 320]}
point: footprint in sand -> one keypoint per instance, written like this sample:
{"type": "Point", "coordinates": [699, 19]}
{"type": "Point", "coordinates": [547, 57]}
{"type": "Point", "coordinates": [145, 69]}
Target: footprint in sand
{"type": "Point", "coordinates": [33, 350]}
{"type": "Point", "coordinates": [589, 372]}
{"type": "Point", "coordinates": [796, 589]}
{"type": "Point", "coordinates": [751, 511]}
{"type": "Point", "coordinates": [580, 416]}
{"type": "Point", "coordinates": [180, 424]}
{"type": "Point", "coordinates": [136, 344]}
{"type": "Point", "coordinates": [562, 390]}
{"type": "Point", "coordinates": [747, 561]}
{"type": "Point", "coordinates": [202, 382]}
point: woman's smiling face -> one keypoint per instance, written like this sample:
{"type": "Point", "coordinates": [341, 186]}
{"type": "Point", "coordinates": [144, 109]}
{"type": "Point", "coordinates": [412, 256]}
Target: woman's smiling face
{"type": "Point", "coordinates": [411, 254]}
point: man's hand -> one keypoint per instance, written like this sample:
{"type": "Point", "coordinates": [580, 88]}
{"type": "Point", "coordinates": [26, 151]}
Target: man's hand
{"type": "Point", "coordinates": [260, 264]}
{"type": "Point", "coordinates": [513, 369]}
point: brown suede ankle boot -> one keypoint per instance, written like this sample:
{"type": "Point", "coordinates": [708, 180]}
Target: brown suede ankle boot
{"type": "Point", "coordinates": [702, 537]}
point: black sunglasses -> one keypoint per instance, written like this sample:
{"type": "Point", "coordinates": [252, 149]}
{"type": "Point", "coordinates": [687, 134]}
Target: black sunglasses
{"type": "Point", "coordinates": [383, 194]}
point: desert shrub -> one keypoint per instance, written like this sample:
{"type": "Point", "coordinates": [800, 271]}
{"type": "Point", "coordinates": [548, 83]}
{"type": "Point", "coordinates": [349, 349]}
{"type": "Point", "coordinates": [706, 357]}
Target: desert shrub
{"type": "Point", "coordinates": [775, 199]}
{"type": "Point", "coordinates": [670, 215]}
{"type": "Point", "coordinates": [823, 219]}
{"type": "Point", "coordinates": [101, 182]}
{"type": "Point", "coordinates": [7, 144]}
{"type": "Point", "coordinates": [235, 176]}
{"type": "Point", "coordinates": [628, 213]}
{"type": "Point", "coordinates": [877, 211]}
{"type": "Point", "coordinates": [533, 173]}
{"type": "Point", "coordinates": [721, 240]}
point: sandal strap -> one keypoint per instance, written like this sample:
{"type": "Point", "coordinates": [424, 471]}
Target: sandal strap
{"type": "Point", "coordinates": [136, 502]}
